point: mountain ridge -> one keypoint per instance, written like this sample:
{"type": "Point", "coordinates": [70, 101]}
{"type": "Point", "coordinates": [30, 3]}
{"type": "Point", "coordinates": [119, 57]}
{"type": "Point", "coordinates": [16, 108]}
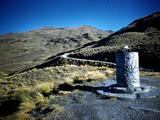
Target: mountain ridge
{"type": "Point", "coordinates": [142, 35]}
{"type": "Point", "coordinates": [27, 49]}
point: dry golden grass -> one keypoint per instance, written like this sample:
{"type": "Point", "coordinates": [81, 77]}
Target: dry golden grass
{"type": "Point", "coordinates": [86, 72]}
{"type": "Point", "coordinates": [150, 74]}
{"type": "Point", "coordinates": [29, 103]}
{"type": "Point", "coordinates": [27, 106]}
{"type": "Point", "coordinates": [21, 91]}
{"type": "Point", "coordinates": [31, 86]}
{"type": "Point", "coordinates": [110, 72]}
{"type": "Point", "coordinates": [45, 87]}
{"type": "Point", "coordinates": [90, 75]}
{"type": "Point", "coordinates": [69, 80]}
{"type": "Point", "coordinates": [47, 79]}
{"type": "Point", "coordinates": [64, 92]}
{"type": "Point", "coordinates": [95, 75]}
{"type": "Point", "coordinates": [39, 98]}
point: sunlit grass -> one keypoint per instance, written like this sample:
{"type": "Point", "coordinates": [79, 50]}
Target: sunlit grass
{"type": "Point", "coordinates": [90, 75]}
{"type": "Point", "coordinates": [45, 87]}
{"type": "Point", "coordinates": [27, 106]}
{"type": "Point", "coordinates": [32, 87]}
{"type": "Point", "coordinates": [21, 91]}
{"type": "Point", "coordinates": [150, 74]}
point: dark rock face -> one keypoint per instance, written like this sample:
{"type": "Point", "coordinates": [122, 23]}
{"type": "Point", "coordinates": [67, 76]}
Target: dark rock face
{"type": "Point", "coordinates": [142, 35]}
{"type": "Point", "coordinates": [27, 49]}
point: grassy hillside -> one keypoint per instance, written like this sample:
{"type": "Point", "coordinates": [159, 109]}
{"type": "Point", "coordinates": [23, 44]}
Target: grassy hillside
{"type": "Point", "coordinates": [142, 35]}
{"type": "Point", "coordinates": [38, 93]}
{"type": "Point", "coordinates": [23, 50]}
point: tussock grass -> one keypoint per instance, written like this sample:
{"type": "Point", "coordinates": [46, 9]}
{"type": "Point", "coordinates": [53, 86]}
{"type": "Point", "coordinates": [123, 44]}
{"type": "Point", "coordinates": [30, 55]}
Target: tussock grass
{"type": "Point", "coordinates": [45, 87]}
{"type": "Point", "coordinates": [150, 74]}
{"type": "Point", "coordinates": [27, 106]}
{"type": "Point", "coordinates": [95, 75]}
{"type": "Point", "coordinates": [47, 79]}
{"type": "Point", "coordinates": [30, 102]}
{"type": "Point", "coordinates": [69, 80]}
{"type": "Point", "coordinates": [90, 75]}
{"type": "Point", "coordinates": [21, 91]}
{"type": "Point", "coordinates": [31, 86]}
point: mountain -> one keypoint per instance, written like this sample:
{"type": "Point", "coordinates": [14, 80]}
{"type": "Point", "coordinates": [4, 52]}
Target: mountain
{"type": "Point", "coordinates": [142, 35]}
{"type": "Point", "coordinates": [27, 49]}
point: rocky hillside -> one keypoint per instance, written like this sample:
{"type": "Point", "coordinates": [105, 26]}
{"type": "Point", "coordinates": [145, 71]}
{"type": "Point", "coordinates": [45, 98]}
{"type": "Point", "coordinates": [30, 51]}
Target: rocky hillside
{"type": "Point", "coordinates": [142, 35]}
{"type": "Point", "coordinates": [23, 50]}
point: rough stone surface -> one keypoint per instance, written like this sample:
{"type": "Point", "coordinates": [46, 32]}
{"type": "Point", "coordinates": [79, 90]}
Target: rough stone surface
{"type": "Point", "coordinates": [127, 69]}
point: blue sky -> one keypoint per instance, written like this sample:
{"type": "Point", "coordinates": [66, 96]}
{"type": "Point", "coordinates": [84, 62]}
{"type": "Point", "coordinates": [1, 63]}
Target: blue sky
{"type": "Point", "coordinates": [24, 15]}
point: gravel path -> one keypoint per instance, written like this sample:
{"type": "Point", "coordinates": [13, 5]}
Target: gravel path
{"type": "Point", "coordinates": [85, 105]}
{"type": "Point", "coordinates": [66, 56]}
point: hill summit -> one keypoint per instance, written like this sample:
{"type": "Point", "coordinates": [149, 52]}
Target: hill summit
{"type": "Point", "coordinates": [142, 35]}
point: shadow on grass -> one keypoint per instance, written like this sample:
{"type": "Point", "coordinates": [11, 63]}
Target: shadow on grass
{"type": "Point", "coordinates": [68, 87]}
{"type": "Point", "coordinates": [8, 107]}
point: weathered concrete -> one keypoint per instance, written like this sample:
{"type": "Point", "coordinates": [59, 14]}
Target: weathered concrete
{"type": "Point", "coordinates": [127, 79]}
{"type": "Point", "coordinates": [127, 70]}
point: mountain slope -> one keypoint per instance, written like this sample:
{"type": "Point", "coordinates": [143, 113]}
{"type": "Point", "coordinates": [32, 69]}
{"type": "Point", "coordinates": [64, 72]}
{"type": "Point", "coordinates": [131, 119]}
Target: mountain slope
{"type": "Point", "coordinates": [27, 49]}
{"type": "Point", "coordinates": [142, 35]}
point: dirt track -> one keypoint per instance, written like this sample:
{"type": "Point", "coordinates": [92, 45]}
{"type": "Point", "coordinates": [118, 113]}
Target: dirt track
{"type": "Point", "coordinates": [85, 105]}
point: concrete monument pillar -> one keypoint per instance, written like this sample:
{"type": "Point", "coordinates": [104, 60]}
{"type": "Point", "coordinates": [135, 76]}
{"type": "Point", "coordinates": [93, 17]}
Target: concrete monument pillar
{"type": "Point", "coordinates": [127, 69]}
{"type": "Point", "coordinates": [127, 84]}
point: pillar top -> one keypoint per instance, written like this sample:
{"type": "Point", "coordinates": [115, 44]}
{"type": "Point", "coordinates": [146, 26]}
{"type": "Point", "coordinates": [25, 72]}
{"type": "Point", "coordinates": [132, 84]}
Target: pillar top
{"type": "Point", "coordinates": [126, 48]}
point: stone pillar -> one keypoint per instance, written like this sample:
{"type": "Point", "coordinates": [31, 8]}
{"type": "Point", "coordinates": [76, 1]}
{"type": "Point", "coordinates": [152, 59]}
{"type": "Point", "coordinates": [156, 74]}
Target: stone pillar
{"type": "Point", "coordinates": [127, 70]}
